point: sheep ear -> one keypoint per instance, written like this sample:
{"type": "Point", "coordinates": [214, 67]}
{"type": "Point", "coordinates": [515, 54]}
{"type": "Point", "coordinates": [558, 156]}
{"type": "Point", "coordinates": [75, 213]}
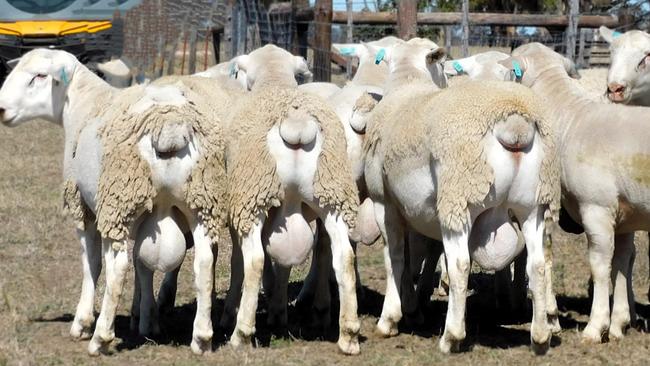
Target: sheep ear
{"type": "Point", "coordinates": [241, 63]}
{"type": "Point", "coordinates": [301, 67]}
{"type": "Point", "coordinates": [570, 68]}
{"type": "Point", "coordinates": [517, 66]}
{"type": "Point", "coordinates": [437, 55]}
{"type": "Point", "coordinates": [608, 34]}
{"type": "Point", "coordinates": [62, 68]}
{"type": "Point", "coordinates": [455, 67]}
{"type": "Point", "coordinates": [347, 49]}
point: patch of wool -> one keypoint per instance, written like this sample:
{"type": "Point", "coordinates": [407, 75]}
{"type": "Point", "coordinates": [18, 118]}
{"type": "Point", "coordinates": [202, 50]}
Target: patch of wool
{"type": "Point", "coordinates": [450, 125]}
{"type": "Point", "coordinates": [254, 186]}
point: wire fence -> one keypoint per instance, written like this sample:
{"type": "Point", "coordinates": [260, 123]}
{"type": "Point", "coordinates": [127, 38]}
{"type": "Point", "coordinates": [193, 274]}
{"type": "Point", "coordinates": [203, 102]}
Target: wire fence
{"type": "Point", "coordinates": [166, 36]}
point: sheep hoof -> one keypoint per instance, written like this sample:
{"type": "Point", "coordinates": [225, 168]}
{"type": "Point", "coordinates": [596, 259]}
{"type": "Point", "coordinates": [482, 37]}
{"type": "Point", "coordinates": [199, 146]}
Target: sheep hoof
{"type": "Point", "coordinates": [592, 335]}
{"type": "Point", "coordinates": [238, 338]}
{"type": "Point", "coordinates": [97, 347]}
{"type": "Point", "coordinates": [201, 346]}
{"type": "Point", "coordinates": [616, 333]}
{"type": "Point", "coordinates": [386, 328]}
{"type": "Point", "coordinates": [448, 345]}
{"type": "Point", "coordinates": [349, 344]}
{"type": "Point", "coordinates": [542, 348]}
{"type": "Point", "coordinates": [80, 333]}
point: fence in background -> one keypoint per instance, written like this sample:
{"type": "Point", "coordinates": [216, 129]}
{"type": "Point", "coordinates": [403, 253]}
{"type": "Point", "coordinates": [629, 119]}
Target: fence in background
{"type": "Point", "coordinates": [189, 36]}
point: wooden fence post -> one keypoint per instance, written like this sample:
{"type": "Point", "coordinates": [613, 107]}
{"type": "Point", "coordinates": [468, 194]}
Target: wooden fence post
{"type": "Point", "coordinates": [448, 38]}
{"type": "Point", "coordinates": [171, 57]}
{"type": "Point", "coordinates": [465, 25]}
{"type": "Point", "coordinates": [348, 5]}
{"type": "Point", "coordinates": [323, 40]}
{"type": "Point", "coordinates": [572, 29]}
{"type": "Point", "coordinates": [191, 59]}
{"type": "Point", "coordinates": [407, 22]}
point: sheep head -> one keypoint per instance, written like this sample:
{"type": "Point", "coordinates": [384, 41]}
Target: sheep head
{"type": "Point", "coordinates": [272, 65]}
{"type": "Point", "coordinates": [628, 79]}
{"type": "Point", "coordinates": [482, 66]}
{"type": "Point", "coordinates": [37, 87]}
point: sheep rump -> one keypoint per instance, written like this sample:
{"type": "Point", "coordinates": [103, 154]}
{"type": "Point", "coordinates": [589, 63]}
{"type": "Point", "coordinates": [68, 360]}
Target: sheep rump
{"type": "Point", "coordinates": [125, 186]}
{"type": "Point", "coordinates": [457, 120]}
{"type": "Point", "coordinates": [254, 186]}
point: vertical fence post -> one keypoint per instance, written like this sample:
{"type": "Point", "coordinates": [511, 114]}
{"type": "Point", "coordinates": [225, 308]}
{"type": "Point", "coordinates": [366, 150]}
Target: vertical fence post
{"type": "Point", "coordinates": [407, 22]}
{"type": "Point", "coordinates": [348, 6]}
{"type": "Point", "coordinates": [184, 51]}
{"type": "Point", "coordinates": [465, 25]}
{"type": "Point", "coordinates": [572, 29]}
{"type": "Point", "coordinates": [581, 49]}
{"type": "Point", "coordinates": [448, 29]}
{"type": "Point", "coordinates": [191, 59]}
{"type": "Point", "coordinates": [323, 40]}
{"type": "Point", "coordinates": [171, 57]}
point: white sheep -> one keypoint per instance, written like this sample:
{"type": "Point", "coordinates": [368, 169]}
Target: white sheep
{"type": "Point", "coordinates": [628, 79]}
{"type": "Point", "coordinates": [163, 174]}
{"type": "Point", "coordinates": [481, 66]}
{"type": "Point", "coordinates": [117, 72]}
{"type": "Point", "coordinates": [603, 155]}
{"type": "Point", "coordinates": [464, 158]}
{"type": "Point", "coordinates": [286, 166]}
{"type": "Point", "coordinates": [224, 71]}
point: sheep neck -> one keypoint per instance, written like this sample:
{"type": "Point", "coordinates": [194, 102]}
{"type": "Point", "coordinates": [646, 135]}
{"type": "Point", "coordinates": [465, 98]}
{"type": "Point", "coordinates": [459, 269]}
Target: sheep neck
{"type": "Point", "coordinates": [408, 74]}
{"type": "Point", "coordinates": [370, 74]}
{"type": "Point", "coordinates": [274, 78]}
{"type": "Point", "coordinates": [85, 92]}
{"type": "Point", "coordinates": [567, 98]}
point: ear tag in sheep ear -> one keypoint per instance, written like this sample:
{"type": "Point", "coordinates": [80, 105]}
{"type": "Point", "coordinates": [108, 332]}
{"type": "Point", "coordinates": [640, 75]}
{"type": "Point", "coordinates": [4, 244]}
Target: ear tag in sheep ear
{"type": "Point", "coordinates": [517, 70]}
{"type": "Point", "coordinates": [616, 34]}
{"type": "Point", "coordinates": [64, 77]}
{"type": "Point", "coordinates": [380, 56]}
{"type": "Point", "coordinates": [347, 51]}
{"type": "Point", "coordinates": [457, 67]}
{"type": "Point", "coordinates": [233, 70]}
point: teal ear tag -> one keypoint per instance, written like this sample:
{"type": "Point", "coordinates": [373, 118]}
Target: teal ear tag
{"type": "Point", "coordinates": [517, 69]}
{"type": "Point", "coordinates": [347, 51]}
{"type": "Point", "coordinates": [233, 70]}
{"type": "Point", "coordinates": [457, 67]}
{"type": "Point", "coordinates": [616, 34]}
{"type": "Point", "coordinates": [380, 56]}
{"type": "Point", "coordinates": [64, 77]}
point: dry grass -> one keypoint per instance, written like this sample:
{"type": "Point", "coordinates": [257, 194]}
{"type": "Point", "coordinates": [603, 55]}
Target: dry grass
{"type": "Point", "coordinates": [40, 284]}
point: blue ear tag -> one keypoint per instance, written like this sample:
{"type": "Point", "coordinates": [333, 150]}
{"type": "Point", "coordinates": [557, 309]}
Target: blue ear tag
{"type": "Point", "coordinates": [517, 69]}
{"type": "Point", "coordinates": [380, 56]}
{"type": "Point", "coordinates": [233, 70]}
{"type": "Point", "coordinates": [347, 51]}
{"type": "Point", "coordinates": [64, 77]}
{"type": "Point", "coordinates": [457, 67]}
{"type": "Point", "coordinates": [616, 34]}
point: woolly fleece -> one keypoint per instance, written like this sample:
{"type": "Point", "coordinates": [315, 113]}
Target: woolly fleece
{"type": "Point", "coordinates": [450, 125]}
{"type": "Point", "coordinates": [125, 187]}
{"type": "Point", "coordinates": [254, 186]}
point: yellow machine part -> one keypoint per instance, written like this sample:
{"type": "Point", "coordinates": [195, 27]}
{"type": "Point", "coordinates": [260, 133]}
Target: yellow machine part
{"type": "Point", "coordinates": [39, 28]}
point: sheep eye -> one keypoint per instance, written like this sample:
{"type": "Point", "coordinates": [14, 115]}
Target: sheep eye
{"type": "Point", "coordinates": [37, 76]}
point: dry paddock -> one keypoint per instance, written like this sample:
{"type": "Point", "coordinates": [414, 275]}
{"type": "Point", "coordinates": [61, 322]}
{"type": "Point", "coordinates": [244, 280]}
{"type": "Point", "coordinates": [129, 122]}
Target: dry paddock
{"type": "Point", "coordinates": [40, 283]}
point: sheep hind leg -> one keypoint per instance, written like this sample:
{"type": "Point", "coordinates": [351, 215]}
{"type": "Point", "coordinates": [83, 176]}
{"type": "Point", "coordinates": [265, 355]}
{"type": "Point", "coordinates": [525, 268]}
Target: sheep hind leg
{"type": "Point", "coordinates": [253, 266]}
{"type": "Point", "coordinates": [623, 312]}
{"type": "Point", "coordinates": [91, 260]}
{"type": "Point", "coordinates": [117, 260]}
{"type": "Point", "coordinates": [458, 265]}
{"type": "Point", "coordinates": [343, 265]}
{"type": "Point", "coordinates": [203, 282]}
{"type": "Point", "coordinates": [533, 230]}
{"type": "Point", "coordinates": [391, 230]}
{"type": "Point", "coordinates": [167, 292]}
{"type": "Point", "coordinates": [148, 324]}
{"type": "Point", "coordinates": [552, 312]}
{"type": "Point", "coordinates": [599, 227]}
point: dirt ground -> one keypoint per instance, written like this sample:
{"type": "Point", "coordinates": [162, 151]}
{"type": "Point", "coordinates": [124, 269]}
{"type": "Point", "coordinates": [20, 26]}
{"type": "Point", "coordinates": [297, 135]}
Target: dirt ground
{"type": "Point", "coordinates": [40, 283]}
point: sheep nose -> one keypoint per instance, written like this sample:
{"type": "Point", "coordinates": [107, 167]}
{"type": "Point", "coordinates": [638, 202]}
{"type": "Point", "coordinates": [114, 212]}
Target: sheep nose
{"type": "Point", "coordinates": [616, 88]}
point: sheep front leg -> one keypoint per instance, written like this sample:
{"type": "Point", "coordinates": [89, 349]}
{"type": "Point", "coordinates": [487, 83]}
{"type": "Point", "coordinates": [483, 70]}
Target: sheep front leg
{"type": "Point", "coordinates": [253, 263]}
{"type": "Point", "coordinates": [91, 262]}
{"type": "Point", "coordinates": [623, 312]}
{"type": "Point", "coordinates": [277, 314]}
{"type": "Point", "coordinates": [167, 293]}
{"type": "Point", "coordinates": [599, 227]}
{"type": "Point", "coordinates": [203, 282]}
{"type": "Point", "coordinates": [393, 234]}
{"type": "Point", "coordinates": [533, 230]}
{"type": "Point", "coordinates": [552, 312]}
{"type": "Point", "coordinates": [117, 260]}
{"type": "Point", "coordinates": [149, 322]}
{"type": "Point", "coordinates": [458, 266]}
{"type": "Point", "coordinates": [343, 265]}
{"type": "Point", "coordinates": [231, 303]}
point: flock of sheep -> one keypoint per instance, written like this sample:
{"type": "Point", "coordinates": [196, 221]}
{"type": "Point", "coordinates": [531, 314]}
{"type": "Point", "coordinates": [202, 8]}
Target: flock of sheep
{"type": "Point", "coordinates": [475, 156]}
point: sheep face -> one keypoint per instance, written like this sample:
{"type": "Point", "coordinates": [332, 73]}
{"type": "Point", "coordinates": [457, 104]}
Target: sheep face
{"type": "Point", "coordinates": [36, 87]}
{"type": "Point", "coordinates": [483, 66]}
{"type": "Point", "coordinates": [272, 63]}
{"type": "Point", "coordinates": [628, 80]}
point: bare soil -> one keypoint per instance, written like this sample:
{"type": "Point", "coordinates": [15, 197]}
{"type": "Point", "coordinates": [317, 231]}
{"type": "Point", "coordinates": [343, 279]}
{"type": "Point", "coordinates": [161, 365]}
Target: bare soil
{"type": "Point", "coordinates": [40, 276]}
